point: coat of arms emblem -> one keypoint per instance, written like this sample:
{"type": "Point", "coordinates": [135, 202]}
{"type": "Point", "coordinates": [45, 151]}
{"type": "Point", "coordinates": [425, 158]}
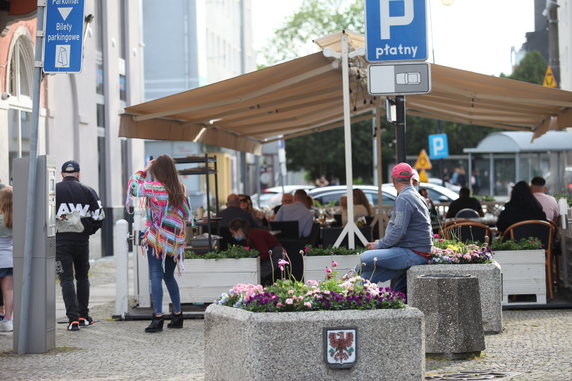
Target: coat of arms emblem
{"type": "Point", "coordinates": [340, 347]}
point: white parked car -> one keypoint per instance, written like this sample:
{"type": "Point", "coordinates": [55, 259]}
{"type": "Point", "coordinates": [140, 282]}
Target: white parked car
{"type": "Point", "coordinates": [437, 193]}
{"type": "Point", "coordinates": [270, 197]}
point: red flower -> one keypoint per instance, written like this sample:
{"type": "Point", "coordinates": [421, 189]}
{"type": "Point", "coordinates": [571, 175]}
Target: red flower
{"type": "Point", "coordinates": [247, 247]}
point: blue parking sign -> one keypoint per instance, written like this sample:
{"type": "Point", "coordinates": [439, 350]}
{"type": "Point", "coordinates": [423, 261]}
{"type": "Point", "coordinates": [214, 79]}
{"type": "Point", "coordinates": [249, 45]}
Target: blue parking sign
{"type": "Point", "coordinates": [438, 146]}
{"type": "Point", "coordinates": [396, 30]}
{"type": "Point", "coordinates": [63, 41]}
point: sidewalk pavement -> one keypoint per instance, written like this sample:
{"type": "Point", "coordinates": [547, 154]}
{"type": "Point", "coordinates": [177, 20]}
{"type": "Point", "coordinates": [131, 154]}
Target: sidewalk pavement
{"type": "Point", "coordinates": [535, 345]}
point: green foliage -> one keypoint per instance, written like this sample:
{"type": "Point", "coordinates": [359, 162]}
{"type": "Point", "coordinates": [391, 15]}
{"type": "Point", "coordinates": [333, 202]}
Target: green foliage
{"type": "Point", "coordinates": [234, 251]}
{"type": "Point", "coordinates": [314, 19]}
{"type": "Point", "coordinates": [314, 251]}
{"type": "Point", "coordinates": [531, 68]}
{"type": "Point", "coordinates": [564, 196]}
{"type": "Point", "coordinates": [324, 153]}
{"type": "Point", "coordinates": [529, 243]}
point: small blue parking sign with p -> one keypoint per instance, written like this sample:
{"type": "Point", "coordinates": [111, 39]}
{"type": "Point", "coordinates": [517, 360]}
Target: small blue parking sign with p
{"type": "Point", "coordinates": [63, 41]}
{"type": "Point", "coordinates": [438, 146]}
{"type": "Point", "coordinates": [396, 30]}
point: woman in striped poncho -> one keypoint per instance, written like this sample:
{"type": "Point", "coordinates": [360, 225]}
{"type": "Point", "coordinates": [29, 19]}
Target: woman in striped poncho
{"type": "Point", "coordinates": [168, 209]}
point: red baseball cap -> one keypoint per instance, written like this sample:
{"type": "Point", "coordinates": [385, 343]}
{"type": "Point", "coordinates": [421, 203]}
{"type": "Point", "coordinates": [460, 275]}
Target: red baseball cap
{"type": "Point", "coordinates": [402, 170]}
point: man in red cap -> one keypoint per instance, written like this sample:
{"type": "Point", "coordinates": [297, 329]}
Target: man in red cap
{"type": "Point", "coordinates": [408, 237]}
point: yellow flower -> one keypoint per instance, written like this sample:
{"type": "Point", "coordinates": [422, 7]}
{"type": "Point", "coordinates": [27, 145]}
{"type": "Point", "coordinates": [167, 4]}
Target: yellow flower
{"type": "Point", "coordinates": [455, 248]}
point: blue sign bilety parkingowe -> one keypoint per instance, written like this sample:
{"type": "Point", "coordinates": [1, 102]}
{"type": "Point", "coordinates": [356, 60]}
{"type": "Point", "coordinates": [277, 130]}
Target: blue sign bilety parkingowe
{"type": "Point", "coordinates": [438, 146]}
{"type": "Point", "coordinates": [396, 30]}
{"type": "Point", "coordinates": [63, 41]}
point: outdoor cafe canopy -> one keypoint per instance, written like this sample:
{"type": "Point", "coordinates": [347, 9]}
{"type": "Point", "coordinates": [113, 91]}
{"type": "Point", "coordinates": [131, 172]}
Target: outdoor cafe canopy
{"type": "Point", "coordinates": [304, 95]}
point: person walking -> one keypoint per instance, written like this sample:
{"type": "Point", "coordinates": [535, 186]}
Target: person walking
{"type": "Point", "coordinates": [408, 237]}
{"type": "Point", "coordinates": [168, 210]}
{"type": "Point", "coordinates": [6, 259]}
{"type": "Point", "coordinates": [79, 215]}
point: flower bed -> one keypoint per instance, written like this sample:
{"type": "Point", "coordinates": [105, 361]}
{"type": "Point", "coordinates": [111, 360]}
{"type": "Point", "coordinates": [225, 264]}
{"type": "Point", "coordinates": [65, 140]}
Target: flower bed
{"type": "Point", "coordinates": [208, 275]}
{"type": "Point", "coordinates": [455, 252]}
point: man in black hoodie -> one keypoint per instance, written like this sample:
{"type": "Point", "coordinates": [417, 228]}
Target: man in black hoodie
{"type": "Point", "coordinates": [79, 215]}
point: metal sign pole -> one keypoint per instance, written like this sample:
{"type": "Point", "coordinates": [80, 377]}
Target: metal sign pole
{"type": "Point", "coordinates": [400, 128]}
{"type": "Point", "coordinates": [30, 196]}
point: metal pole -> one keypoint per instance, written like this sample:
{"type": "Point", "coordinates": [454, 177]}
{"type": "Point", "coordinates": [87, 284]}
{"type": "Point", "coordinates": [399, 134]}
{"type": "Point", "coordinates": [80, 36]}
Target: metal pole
{"type": "Point", "coordinates": [400, 128]}
{"type": "Point", "coordinates": [31, 191]}
{"type": "Point", "coordinates": [379, 217]}
{"type": "Point", "coordinates": [121, 268]}
{"type": "Point", "coordinates": [553, 51]}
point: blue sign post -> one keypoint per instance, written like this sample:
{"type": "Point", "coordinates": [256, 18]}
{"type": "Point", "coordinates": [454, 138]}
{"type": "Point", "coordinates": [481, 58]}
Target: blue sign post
{"type": "Point", "coordinates": [396, 30]}
{"type": "Point", "coordinates": [438, 146]}
{"type": "Point", "coordinates": [63, 41]}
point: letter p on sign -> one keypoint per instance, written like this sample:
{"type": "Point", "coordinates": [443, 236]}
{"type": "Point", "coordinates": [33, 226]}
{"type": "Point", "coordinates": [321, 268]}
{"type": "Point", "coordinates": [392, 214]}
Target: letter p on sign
{"type": "Point", "coordinates": [438, 146]}
{"type": "Point", "coordinates": [387, 21]}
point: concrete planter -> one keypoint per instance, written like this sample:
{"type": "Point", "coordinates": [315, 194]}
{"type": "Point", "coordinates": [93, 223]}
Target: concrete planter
{"type": "Point", "coordinates": [523, 273]}
{"type": "Point", "coordinates": [490, 287]}
{"type": "Point", "coordinates": [242, 345]}
{"type": "Point", "coordinates": [204, 280]}
{"type": "Point", "coordinates": [315, 266]}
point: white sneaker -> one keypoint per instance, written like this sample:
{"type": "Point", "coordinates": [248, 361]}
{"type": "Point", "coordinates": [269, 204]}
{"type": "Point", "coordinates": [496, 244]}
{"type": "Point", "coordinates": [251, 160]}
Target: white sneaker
{"type": "Point", "coordinates": [6, 326]}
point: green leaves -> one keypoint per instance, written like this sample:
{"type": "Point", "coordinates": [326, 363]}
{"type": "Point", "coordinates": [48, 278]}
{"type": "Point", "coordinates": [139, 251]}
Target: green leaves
{"type": "Point", "coordinates": [314, 251]}
{"type": "Point", "coordinates": [234, 251]}
{"type": "Point", "coordinates": [529, 243]}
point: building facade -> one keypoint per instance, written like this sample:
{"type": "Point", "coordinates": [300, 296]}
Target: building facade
{"type": "Point", "coordinates": [79, 113]}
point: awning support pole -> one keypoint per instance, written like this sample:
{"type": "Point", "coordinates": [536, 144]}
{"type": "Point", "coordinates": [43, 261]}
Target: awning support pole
{"type": "Point", "coordinates": [400, 128]}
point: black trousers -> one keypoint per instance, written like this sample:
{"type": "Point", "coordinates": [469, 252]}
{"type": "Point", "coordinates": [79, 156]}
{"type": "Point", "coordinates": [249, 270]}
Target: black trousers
{"type": "Point", "coordinates": [73, 257]}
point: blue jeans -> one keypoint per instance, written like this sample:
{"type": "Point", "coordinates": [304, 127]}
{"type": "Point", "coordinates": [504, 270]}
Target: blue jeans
{"type": "Point", "coordinates": [391, 263]}
{"type": "Point", "coordinates": [157, 275]}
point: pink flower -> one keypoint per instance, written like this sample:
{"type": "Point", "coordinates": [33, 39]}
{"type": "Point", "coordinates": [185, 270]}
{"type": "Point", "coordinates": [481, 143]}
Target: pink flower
{"type": "Point", "coordinates": [435, 235]}
{"type": "Point", "coordinates": [290, 292]}
{"type": "Point", "coordinates": [329, 276]}
{"type": "Point", "coordinates": [289, 301]}
{"type": "Point", "coordinates": [334, 264]}
{"type": "Point", "coordinates": [308, 304]}
{"type": "Point", "coordinates": [306, 249]}
{"type": "Point", "coordinates": [247, 247]}
{"type": "Point", "coordinates": [279, 304]}
{"type": "Point", "coordinates": [328, 270]}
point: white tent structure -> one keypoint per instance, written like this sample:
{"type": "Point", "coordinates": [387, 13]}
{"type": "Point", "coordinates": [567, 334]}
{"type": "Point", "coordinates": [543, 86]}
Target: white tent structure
{"type": "Point", "coordinates": [314, 93]}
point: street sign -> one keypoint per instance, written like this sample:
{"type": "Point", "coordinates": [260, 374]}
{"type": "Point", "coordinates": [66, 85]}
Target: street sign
{"type": "Point", "coordinates": [399, 78]}
{"type": "Point", "coordinates": [549, 80]}
{"type": "Point", "coordinates": [396, 30]}
{"type": "Point", "coordinates": [423, 161]}
{"type": "Point", "coordinates": [63, 41]}
{"type": "Point", "coordinates": [438, 146]}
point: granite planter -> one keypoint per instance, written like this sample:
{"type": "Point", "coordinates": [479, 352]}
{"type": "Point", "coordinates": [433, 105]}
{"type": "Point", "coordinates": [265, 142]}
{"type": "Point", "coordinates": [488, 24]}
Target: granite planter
{"type": "Point", "coordinates": [490, 287]}
{"type": "Point", "coordinates": [523, 273]}
{"type": "Point", "coordinates": [204, 280]}
{"type": "Point", "coordinates": [315, 266]}
{"type": "Point", "coordinates": [242, 345]}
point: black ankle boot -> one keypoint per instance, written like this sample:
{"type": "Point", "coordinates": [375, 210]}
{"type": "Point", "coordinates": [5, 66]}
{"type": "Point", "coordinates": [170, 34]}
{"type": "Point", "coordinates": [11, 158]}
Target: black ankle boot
{"type": "Point", "coordinates": [176, 320]}
{"type": "Point", "coordinates": [156, 324]}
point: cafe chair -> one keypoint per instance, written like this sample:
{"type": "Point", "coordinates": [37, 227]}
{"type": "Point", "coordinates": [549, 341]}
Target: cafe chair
{"type": "Point", "coordinates": [330, 235]}
{"type": "Point", "coordinates": [467, 213]}
{"type": "Point", "coordinates": [288, 229]}
{"type": "Point", "coordinates": [544, 231]}
{"type": "Point", "coordinates": [467, 231]}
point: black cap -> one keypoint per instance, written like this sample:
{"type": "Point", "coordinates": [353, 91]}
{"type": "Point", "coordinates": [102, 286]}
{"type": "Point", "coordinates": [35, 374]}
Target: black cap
{"type": "Point", "coordinates": [70, 166]}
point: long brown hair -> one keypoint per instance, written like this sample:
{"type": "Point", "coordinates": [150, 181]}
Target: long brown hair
{"type": "Point", "coordinates": [361, 199]}
{"type": "Point", "coordinates": [165, 172]}
{"type": "Point", "coordinates": [6, 206]}
{"type": "Point", "coordinates": [239, 223]}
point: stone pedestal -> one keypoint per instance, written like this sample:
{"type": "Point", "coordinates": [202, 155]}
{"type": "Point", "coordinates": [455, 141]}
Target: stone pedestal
{"type": "Point", "coordinates": [452, 308]}
{"type": "Point", "coordinates": [490, 288]}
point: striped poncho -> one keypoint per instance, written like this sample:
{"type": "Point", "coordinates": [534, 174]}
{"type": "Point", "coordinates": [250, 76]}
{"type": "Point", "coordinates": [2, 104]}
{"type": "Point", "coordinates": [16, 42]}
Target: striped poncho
{"type": "Point", "coordinates": [165, 230]}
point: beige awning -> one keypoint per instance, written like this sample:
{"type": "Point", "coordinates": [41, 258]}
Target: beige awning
{"type": "Point", "coordinates": [305, 95]}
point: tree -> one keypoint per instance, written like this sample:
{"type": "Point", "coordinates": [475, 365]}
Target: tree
{"type": "Point", "coordinates": [531, 68]}
{"type": "Point", "coordinates": [314, 19]}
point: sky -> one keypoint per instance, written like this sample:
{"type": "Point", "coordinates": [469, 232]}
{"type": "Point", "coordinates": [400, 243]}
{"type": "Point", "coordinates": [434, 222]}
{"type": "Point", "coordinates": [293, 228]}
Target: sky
{"type": "Point", "coordinates": [474, 35]}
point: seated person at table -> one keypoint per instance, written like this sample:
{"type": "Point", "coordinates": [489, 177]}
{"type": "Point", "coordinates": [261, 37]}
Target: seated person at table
{"type": "Point", "coordinates": [521, 206]}
{"type": "Point", "coordinates": [287, 198]}
{"type": "Point", "coordinates": [360, 210]}
{"type": "Point", "coordinates": [262, 241]}
{"type": "Point", "coordinates": [297, 212]}
{"type": "Point", "coordinates": [233, 210]}
{"type": "Point", "coordinates": [258, 215]}
{"type": "Point", "coordinates": [549, 203]}
{"type": "Point", "coordinates": [408, 237]}
{"type": "Point", "coordinates": [465, 201]}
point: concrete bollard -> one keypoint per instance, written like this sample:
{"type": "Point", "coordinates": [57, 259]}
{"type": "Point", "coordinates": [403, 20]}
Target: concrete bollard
{"type": "Point", "coordinates": [121, 249]}
{"type": "Point", "coordinates": [452, 308]}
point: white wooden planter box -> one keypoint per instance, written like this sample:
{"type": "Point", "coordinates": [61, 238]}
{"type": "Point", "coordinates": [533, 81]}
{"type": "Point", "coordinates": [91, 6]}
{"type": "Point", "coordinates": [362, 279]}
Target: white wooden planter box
{"type": "Point", "coordinates": [523, 273]}
{"type": "Point", "coordinates": [255, 346]}
{"type": "Point", "coordinates": [204, 280]}
{"type": "Point", "coordinates": [315, 266]}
